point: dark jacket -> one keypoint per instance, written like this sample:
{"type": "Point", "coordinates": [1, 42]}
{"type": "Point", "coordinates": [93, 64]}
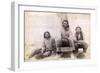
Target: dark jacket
{"type": "Point", "coordinates": [79, 34]}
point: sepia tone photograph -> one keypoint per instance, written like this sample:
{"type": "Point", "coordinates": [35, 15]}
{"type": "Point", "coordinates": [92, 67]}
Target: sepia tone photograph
{"type": "Point", "coordinates": [56, 36]}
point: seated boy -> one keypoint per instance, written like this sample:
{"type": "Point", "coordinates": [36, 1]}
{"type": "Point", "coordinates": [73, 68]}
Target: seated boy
{"type": "Point", "coordinates": [79, 42]}
{"type": "Point", "coordinates": [49, 47]}
{"type": "Point", "coordinates": [65, 40]}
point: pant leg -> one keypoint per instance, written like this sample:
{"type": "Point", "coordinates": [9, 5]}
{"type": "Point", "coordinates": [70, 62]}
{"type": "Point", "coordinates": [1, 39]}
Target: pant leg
{"type": "Point", "coordinates": [85, 46]}
{"type": "Point", "coordinates": [54, 50]}
{"type": "Point", "coordinates": [47, 53]}
{"type": "Point", "coordinates": [64, 43]}
{"type": "Point", "coordinates": [76, 47]}
{"type": "Point", "coordinates": [81, 45]}
{"type": "Point", "coordinates": [59, 43]}
{"type": "Point", "coordinates": [35, 53]}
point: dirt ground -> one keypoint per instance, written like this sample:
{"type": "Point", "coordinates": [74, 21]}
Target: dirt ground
{"type": "Point", "coordinates": [30, 49]}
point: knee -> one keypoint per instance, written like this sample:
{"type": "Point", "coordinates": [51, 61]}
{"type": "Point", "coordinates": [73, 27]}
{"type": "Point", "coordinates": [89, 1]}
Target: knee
{"type": "Point", "coordinates": [58, 43]}
{"type": "Point", "coordinates": [85, 45]}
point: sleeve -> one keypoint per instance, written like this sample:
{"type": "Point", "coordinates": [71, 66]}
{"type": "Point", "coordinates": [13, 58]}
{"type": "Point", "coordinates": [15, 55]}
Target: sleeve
{"type": "Point", "coordinates": [44, 46]}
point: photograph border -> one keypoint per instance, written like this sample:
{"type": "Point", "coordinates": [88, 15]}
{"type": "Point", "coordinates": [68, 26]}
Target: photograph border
{"type": "Point", "coordinates": [16, 63]}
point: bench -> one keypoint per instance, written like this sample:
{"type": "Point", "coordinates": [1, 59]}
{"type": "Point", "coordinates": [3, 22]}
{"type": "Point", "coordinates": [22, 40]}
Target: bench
{"type": "Point", "coordinates": [65, 49]}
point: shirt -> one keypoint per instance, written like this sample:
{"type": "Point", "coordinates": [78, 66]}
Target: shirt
{"type": "Point", "coordinates": [47, 43]}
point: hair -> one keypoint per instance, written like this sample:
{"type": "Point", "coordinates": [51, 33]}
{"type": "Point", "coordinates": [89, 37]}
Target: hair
{"type": "Point", "coordinates": [65, 21]}
{"type": "Point", "coordinates": [81, 33]}
{"type": "Point", "coordinates": [78, 27]}
{"type": "Point", "coordinates": [48, 33]}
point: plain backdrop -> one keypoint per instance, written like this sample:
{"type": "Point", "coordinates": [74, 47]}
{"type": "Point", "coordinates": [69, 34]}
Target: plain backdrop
{"type": "Point", "coordinates": [36, 23]}
{"type": "Point", "coordinates": [5, 36]}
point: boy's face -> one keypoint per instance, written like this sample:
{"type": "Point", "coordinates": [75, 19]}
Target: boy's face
{"type": "Point", "coordinates": [47, 35]}
{"type": "Point", "coordinates": [66, 26]}
{"type": "Point", "coordinates": [78, 30]}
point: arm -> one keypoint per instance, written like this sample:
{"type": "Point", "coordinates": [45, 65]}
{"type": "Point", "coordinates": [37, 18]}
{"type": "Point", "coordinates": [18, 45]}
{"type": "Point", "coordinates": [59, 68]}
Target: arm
{"type": "Point", "coordinates": [44, 47]}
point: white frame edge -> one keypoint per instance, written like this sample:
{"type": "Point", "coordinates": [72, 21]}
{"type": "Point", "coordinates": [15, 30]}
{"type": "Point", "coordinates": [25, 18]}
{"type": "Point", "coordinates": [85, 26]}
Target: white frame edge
{"type": "Point", "coordinates": [15, 63]}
